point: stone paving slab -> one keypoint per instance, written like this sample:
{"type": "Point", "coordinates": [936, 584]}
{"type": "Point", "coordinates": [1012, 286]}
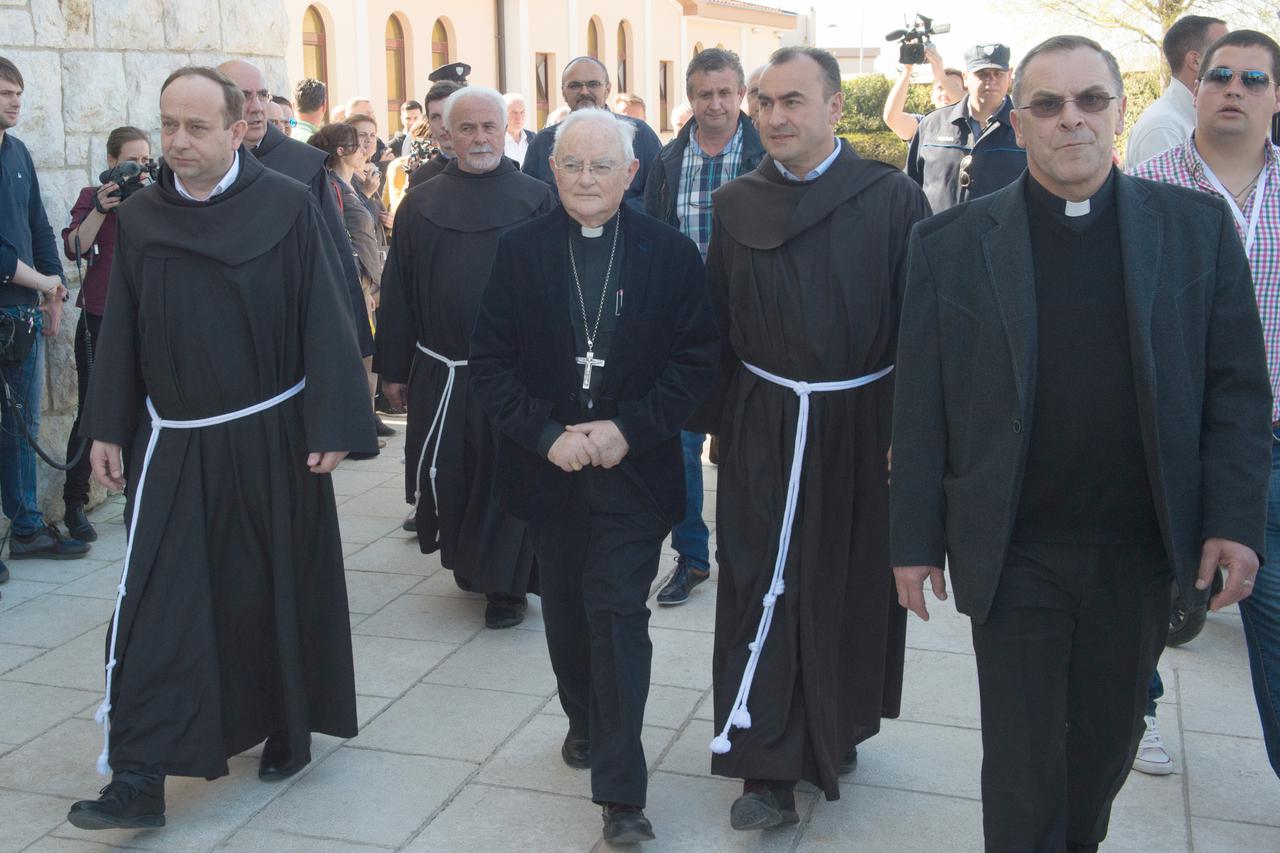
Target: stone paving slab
{"type": "Point", "coordinates": [461, 728]}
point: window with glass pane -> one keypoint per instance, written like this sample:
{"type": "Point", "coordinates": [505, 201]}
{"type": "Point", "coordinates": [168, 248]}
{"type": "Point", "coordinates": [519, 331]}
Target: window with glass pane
{"type": "Point", "coordinates": [593, 38]}
{"type": "Point", "coordinates": [395, 73]}
{"type": "Point", "coordinates": [664, 100]}
{"type": "Point", "coordinates": [622, 58]}
{"type": "Point", "coordinates": [313, 46]}
{"type": "Point", "coordinates": [439, 45]}
{"type": "Point", "coordinates": [542, 74]}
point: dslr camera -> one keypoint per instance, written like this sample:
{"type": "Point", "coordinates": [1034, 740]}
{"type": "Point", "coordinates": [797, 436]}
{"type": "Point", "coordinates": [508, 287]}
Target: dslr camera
{"type": "Point", "coordinates": [127, 175]}
{"type": "Point", "coordinates": [913, 41]}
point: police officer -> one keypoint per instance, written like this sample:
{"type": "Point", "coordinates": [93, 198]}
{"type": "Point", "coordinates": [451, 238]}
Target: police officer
{"type": "Point", "coordinates": [968, 149]}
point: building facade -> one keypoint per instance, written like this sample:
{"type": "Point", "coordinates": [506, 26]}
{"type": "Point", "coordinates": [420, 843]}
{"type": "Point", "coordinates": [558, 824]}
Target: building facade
{"type": "Point", "coordinates": [384, 49]}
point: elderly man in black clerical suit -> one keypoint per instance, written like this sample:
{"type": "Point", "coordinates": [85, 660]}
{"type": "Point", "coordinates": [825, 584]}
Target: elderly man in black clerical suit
{"type": "Point", "coordinates": [1081, 418]}
{"type": "Point", "coordinates": [595, 342]}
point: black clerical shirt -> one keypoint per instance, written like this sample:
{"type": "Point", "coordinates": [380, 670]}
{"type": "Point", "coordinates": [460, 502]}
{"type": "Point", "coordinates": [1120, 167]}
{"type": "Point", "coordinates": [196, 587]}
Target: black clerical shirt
{"type": "Point", "coordinates": [591, 254]}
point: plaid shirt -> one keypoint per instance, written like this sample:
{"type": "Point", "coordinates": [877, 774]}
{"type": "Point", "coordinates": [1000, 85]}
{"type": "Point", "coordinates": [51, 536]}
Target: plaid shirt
{"type": "Point", "coordinates": [700, 175]}
{"type": "Point", "coordinates": [1182, 166]}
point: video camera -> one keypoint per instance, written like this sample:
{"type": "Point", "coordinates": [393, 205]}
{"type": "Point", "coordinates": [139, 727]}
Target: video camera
{"type": "Point", "coordinates": [914, 40]}
{"type": "Point", "coordinates": [127, 175]}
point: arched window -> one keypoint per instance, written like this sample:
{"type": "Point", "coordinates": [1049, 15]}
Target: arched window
{"type": "Point", "coordinates": [593, 38]}
{"type": "Point", "coordinates": [439, 44]}
{"type": "Point", "coordinates": [396, 83]}
{"type": "Point", "coordinates": [313, 46]}
{"type": "Point", "coordinates": [624, 45]}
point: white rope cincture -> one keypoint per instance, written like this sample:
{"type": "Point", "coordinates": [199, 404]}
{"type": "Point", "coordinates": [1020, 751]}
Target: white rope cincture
{"type": "Point", "coordinates": [739, 717]}
{"type": "Point", "coordinates": [102, 716]}
{"type": "Point", "coordinates": [436, 429]}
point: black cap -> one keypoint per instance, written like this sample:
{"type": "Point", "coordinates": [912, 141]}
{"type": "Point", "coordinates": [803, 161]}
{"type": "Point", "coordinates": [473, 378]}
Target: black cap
{"type": "Point", "coordinates": [982, 56]}
{"type": "Point", "coordinates": [454, 71]}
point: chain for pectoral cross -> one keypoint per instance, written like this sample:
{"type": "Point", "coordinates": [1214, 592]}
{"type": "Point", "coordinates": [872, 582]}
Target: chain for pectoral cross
{"type": "Point", "coordinates": [589, 360]}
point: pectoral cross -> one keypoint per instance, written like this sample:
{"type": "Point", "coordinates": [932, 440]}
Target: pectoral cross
{"type": "Point", "coordinates": [588, 361]}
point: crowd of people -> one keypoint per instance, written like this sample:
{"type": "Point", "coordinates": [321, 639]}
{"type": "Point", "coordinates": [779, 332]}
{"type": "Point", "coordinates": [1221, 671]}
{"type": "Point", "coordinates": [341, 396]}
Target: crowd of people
{"type": "Point", "coordinates": [1012, 361]}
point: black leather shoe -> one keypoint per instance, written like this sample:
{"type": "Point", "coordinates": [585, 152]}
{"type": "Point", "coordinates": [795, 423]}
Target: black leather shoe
{"type": "Point", "coordinates": [384, 429]}
{"type": "Point", "coordinates": [682, 581]}
{"type": "Point", "coordinates": [4, 573]}
{"type": "Point", "coordinates": [625, 824]}
{"type": "Point", "coordinates": [576, 751]}
{"type": "Point", "coordinates": [848, 761]}
{"type": "Point", "coordinates": [505, 611]}
{"type": "Point", "coordinates": [47, 544]}
{"type": "Point", "coordinates": [360, 456]}
{"type": "Point", "coordinates": [78, 524]}
{"type": "Point", "coordinates": [764, 805]}
{"type": "Point", "coordinates": [277, 762]}
{"type": "Point", "coordinates": [121, 806]}
{"type": "Point", "coordinates": [410, 524]}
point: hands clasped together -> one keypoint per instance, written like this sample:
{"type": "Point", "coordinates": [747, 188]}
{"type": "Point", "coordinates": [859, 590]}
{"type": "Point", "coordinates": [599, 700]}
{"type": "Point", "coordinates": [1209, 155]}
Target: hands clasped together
{"type": "Point", "coordinates": [598, 443]}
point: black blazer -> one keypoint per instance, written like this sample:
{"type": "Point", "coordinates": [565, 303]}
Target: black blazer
{"type": "Point", "coordinates": [967, 368]}
{"type": "Point", "coordinates": [662, 360]}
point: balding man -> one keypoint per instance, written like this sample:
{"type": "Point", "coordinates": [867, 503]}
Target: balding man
{"type": "Point", "coordinates": [585, 85]}
{"type": "Point", "coordinates": [589, 361]}
{"type": "Point", "coordinates": [445, 238]}
{"type": "Point", "coordinates": [227, 323]}
{"type": "Point", "coordinates": [516, 142]}
{"type": "Point", "coordinates": [303, 163]}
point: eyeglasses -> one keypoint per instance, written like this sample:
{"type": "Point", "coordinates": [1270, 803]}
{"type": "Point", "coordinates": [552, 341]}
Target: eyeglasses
{"type": "Point", "coordinates": [966, 171]}
{"type": "Point", "coordinates": [578, 85]}
{"type": "Point", "coordinates": [574, 169]}
{"type": "Point", "coordinates": [1220, 78]}
{"type": "Point", "coordinates": [1049, 107]}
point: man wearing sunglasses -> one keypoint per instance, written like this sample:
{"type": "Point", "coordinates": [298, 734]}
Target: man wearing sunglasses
{"type": "Point", "coordinates": [1080, 418]}
{"type": "Point", "coordinates": [968, 149]}
{"type": "Point", "coordinates": [1230, 156]}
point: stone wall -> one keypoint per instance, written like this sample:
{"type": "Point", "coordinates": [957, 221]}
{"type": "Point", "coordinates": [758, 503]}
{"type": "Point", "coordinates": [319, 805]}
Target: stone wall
{"type": "Point", "coordinates": [91, 66]}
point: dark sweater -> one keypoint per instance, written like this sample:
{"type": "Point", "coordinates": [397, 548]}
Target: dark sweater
{"type": "Point", "coordinates": [1086, 475]}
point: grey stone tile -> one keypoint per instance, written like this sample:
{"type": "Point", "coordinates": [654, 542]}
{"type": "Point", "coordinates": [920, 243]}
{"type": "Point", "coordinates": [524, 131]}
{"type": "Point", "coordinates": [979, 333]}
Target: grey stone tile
{"type": "Point", "coordinates": [692, 816]}
{"type": "Point", "coordinates": [52, 620]}
{"type": "Point", "coordinates": [55, 571]}
{"type": "Point", "coordinates": [348, 480]}
{"type": "Point", "coordinates": [939, 687]}
{"type": "Point", "coordinates": [27, 817]}
{"type": "Point", "coordinates": [18, 592]}
{"type": "Point", "coordinates": [920, 757]}
{"type": "Point", "coordinates": [681, 658]}
{"type": "Point", "coordinates": [257, 840]}
{"type": "Point", "coordinates": [385, 796]}
{"type": "Point", "coordinates": [198, 813]}
{"type": "Point", "coordinates": [384, 502]}
{"type": "Point", "coordinates": [369, 592]}
{"type": "Point", "coordinates": [365, 528]}
{"type": "Point", "coordinates": [878, 820]}
{"type": "Point", "coordinates": [1217, 836]}
{"type": "Point", "coordinates": [696, 614]}
{"type": "Point", "coordinates": [31, 709]}
{"type": "Point", "coordinates": [54, 844]}
{"type": "Point", "coordinates": [946, 631]}
{"type": "Point", "coordinates": [1218, 701]}
{"type": "Point", "coordinates": [78, 664]}
{"type": "Point", "coordinates": [368, 707]}
{"type": "Point", "coordinates": [461, 723]}
{"type": "Point", "coordinates": [706, 709]}
{"type": "Point", "coordinates": [1150, 807]}
{"type": "Point", "coordinates": [442, 583]}
{"type": "Point", "coordinates": [59, 762]}
{"type": "Point", "coordinates": [515, 661]}
{"type": "Point", "coordinates": [691, 753]}
{"type": "Point", "coordinates": [102, 583]}
{"type": "Point", "coordinates": [12, 656]}
{"type": "Point", "coordinates": [386, 666]}
{"type": "Point", "coordinates": [669, 707]}
{"type": "Point", "coordinates": [1221, 768]}
{"type": "Point", "coordinates": [1220, 646]}
{"type": "Point", "coordinates": [110, 547]}
{"type": "Point", "coordinates": [387, 462]}
{"type": "Point", "coordinates": [399, 556]}
{"type": "Point", "coordinates": [501, 820]}
{"type": "Point", "coordinates": [424, 617]}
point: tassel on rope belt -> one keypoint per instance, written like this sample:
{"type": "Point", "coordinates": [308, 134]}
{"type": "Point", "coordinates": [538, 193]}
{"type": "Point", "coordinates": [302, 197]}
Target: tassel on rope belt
{"type": "Point", "coordinates": [437, 427]}
{"type": "Point", "coordinates": [739, 716]}
{"type": "Point", "coordinates": [157, 425]}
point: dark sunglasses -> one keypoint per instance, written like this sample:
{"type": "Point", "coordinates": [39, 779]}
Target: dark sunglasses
{"type": "Point", "coordinates": [1050, 107]}
{"type": "Point", "coordinates": [966, 171]}
{"type": "Point", "coordinates": [1254, 81]}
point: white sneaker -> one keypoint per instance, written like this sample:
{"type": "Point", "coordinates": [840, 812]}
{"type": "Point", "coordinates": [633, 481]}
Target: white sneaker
{"type": "Point", "coordinates": [1152, 758]}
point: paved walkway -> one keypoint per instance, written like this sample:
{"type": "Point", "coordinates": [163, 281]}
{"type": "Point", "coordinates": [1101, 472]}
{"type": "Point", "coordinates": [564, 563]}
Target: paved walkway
{"type": "Point", "coordinates": [459, 748]}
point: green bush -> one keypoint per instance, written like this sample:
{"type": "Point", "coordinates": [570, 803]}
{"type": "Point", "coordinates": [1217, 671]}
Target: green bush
{"type": "Point", "coordinates": [882, 145]}
{"type": "Point", "coordinates": [864, 99]}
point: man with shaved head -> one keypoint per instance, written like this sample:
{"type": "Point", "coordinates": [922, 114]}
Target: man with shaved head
{"type": "Point", "coordinates": [227, 330]}
{"type": "Point", "coordinates": [589, 361]}
{"type": "Point", "coordinates": [584, 83]}
{"type": "Point", "coordinates": [303, 163]}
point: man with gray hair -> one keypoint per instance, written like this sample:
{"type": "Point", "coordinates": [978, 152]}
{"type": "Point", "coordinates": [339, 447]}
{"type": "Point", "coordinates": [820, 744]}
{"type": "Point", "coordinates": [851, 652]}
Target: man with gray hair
{"type": "Point", "coordinates": [1077, 319]}
{"type": "Point", "coordinates": [516, 142]}
{"type": "Point", "coordinates": [584, 83]}
{"type": "Point", "coordinates": [589, 359]}
{"type": "Point", "coordinates": [444, 241]}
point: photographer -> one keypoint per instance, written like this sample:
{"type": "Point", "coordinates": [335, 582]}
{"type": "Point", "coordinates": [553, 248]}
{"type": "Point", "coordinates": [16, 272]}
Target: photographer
{"type": "Point", "coordinates": [29, 270]}
{"type": "Point", "coordinates": [948, 87]}
{"type": "Point", "coordinates": [91, 240]}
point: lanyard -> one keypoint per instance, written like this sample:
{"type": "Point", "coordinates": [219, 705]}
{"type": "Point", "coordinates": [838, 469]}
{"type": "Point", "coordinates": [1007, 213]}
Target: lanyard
{"type": "Point", "coordinates": [1249, 228]}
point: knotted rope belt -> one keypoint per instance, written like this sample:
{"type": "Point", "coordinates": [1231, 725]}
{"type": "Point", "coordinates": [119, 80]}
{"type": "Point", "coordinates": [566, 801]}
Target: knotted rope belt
{"type": "Point", "coordinates": [436, 429]}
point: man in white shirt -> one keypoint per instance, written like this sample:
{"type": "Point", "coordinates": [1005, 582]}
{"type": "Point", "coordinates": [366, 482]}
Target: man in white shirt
{"type": "Point", "coordinates": [1171, 118]}
{"type": "Point", "coordinates": [517, 138]}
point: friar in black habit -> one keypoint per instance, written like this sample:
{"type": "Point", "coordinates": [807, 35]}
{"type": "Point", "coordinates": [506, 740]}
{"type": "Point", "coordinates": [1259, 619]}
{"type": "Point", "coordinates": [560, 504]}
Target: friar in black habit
{"type": "Point", "coordinates": [228, 364]}
{"type": "Point", "coordinates": [444, 243]}
{"type": "Point", "coordinates": [595, 343]}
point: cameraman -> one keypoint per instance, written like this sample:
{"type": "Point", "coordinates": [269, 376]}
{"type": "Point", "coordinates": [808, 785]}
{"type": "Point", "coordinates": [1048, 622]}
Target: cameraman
{"type": "Point", "coordinates": [93, 225]}
{"type": "Point", "coordinates": [29, 270]}
{"type": "Point", "coordinates": [948, 87]}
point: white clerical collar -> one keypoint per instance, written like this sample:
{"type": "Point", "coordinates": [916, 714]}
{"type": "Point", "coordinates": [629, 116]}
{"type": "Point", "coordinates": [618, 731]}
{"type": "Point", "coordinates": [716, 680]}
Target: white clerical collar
{"type": "Point", "coordinates": [1077, 208]}
{"type": "Point", "coordinates": [817, 171]}
{"type": "Point", "coordinates": [227, 180]}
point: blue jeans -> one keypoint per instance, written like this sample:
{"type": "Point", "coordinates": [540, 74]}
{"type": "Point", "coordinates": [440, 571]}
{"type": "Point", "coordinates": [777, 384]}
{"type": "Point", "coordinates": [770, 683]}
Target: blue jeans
{"type": "Point", "coordinates": [1154, 691]}
{"type": "Point", "coordinates": [17, 459]}
{"type": "Point", "coordinates": [1260, 613]}
{"type": "Point", "coordinates": [690, 538]}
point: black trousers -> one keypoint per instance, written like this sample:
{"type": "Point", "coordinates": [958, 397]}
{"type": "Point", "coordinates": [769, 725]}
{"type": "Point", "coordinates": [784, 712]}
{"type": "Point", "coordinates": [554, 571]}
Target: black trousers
{"type": "Point", "coordinates": [595, 570]}
{"type": "Point", "coordinates": [1064, 661]}
{"type": "Point", "coordinates": [76, 488]}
